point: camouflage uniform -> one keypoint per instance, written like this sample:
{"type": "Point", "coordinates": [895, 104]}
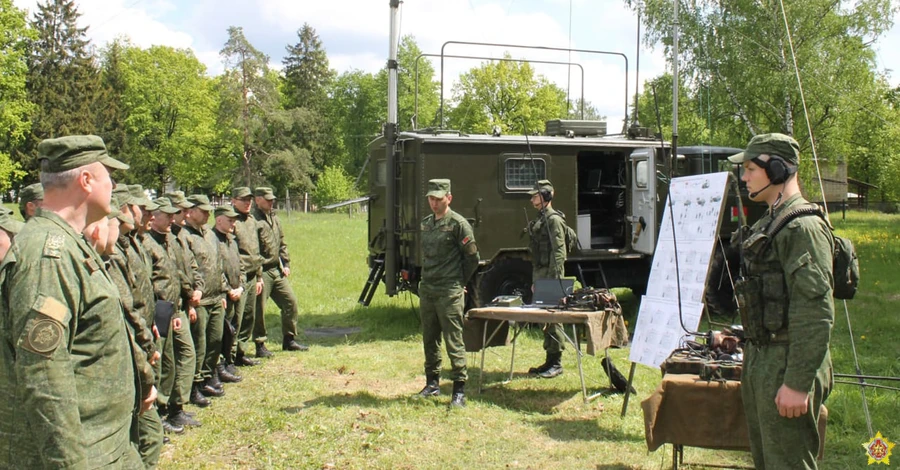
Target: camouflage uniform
{"type": "Point", "coordinates": [787, 311]}
{"type": "Point", "coordinates": [275, 257]}
{"type": "Point", "coordinates": [548, 257]}
{"type": "Point", "coordinates": [234, 277]}
{"type": "Point", "coordinates": [247, 236]}
{"type": "Point", "coordinates": [30, 193]}
{"type": "Point", "coordinates": [449, 258]}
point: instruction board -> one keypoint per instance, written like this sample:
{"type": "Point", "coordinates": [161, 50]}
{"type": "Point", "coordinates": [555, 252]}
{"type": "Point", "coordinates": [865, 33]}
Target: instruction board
{"type": "Point", "coordinates": [695, 203]}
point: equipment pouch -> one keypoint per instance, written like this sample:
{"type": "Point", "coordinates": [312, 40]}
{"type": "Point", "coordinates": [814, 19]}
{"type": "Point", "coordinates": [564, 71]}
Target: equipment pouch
{"type": "Point", "coordinates": [748, 292]}
{"type": "Point", "coordinates": [775, 304]}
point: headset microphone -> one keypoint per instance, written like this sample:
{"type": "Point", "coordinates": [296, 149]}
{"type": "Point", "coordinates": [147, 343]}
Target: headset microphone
{"type": "Point", "coordinates": [756, 193]}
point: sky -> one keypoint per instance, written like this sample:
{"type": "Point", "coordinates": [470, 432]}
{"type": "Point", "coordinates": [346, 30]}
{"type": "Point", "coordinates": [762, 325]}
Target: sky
{"type": "Point", "coordinates": [355, 34]}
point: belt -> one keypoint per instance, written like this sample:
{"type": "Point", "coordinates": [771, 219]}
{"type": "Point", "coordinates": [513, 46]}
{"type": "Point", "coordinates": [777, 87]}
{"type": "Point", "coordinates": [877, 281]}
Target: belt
{"type": "Point", "coordinates": [777, 337]}
{"type": "Point", "coordinates": [269, 266]}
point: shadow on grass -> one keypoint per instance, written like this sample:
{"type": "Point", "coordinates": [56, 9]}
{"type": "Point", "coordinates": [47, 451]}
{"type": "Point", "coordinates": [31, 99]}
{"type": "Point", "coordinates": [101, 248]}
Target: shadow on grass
{"type": "Point", "coordinates": [379, 323]}
{"type": "Point", "coordinates": [359, 398]}
{"type": "Point", "coordinates": [562, 429]}
{"type": "Point", "coordinates": [541, 401]}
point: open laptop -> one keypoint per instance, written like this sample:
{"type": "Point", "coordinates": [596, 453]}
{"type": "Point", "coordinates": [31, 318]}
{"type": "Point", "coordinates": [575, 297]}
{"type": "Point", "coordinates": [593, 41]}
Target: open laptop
{"type": "Point", "coordinates": [549, 292]}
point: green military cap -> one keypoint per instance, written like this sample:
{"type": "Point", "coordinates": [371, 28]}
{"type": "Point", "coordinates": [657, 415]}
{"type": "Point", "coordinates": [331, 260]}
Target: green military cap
{"type": "Point", "coordinates": [150, 206]}
{"type": "Point", "coordinates": [199, 201]}
{"type": "Point", "coordinates": [178, 199]}
{"type": "Point", "coordinates": [114, 206]}
{"type": "Point", "coordinates": [9, 224]}
{"type": "Point", "coordinates": [542, 185]}
{"type": "Point", "coordinates": [74, 151]}
{"type": "Point", "coordinates": [123, 217]}
{"type": "Point", "coordinates": [438, 187]}
{"type": "Point", "coordinates": [122, 194]}
{"type": "Point", "coordinates": [264, 192]}
{"type": "Point", "coordinates": [225, 210]}
{"type": "Point", "coordinates": [165, 205]}
{"type": "Point", "coordinates": [32, 192]}
{"type": "Point", "coordinates": [138, 196]}
{"type": "Point", "coordinates": [241, 192]}
{"type": "Point", "coordinates": [770, 144]}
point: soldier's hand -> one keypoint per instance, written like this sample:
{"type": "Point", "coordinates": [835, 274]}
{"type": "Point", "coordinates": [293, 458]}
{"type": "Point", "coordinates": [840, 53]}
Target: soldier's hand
{"type": "Point", "coordinates": [286, 271]}
{"type": "Point", "coordinates": [192, 315]}
{"type": "Point", "coordinates": [155, 332]}
{"type": "Point", "coordinates": [154, 358]}
{"type": "Point", "coordinates": [195, 298]}
{"type": "Point", "coordinates": [259, 287]}
{"type": "Point", "coordinates": [791, 403]}
{"type": "Point", "coordinates": [148, 402]}
{"type": "Point", "coordinates": [224, 303]}
{"type": "Point", "coordinates": [176, 324]}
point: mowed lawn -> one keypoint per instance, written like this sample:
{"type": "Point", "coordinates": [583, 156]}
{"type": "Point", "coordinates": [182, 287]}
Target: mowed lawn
{"type": "Point", "coordinates": [347, 403]}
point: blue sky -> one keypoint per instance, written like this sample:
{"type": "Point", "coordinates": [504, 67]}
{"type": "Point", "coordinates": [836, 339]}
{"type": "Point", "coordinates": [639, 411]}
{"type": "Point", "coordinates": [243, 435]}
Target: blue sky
{"type": "Point", "coordinates": [355, 34]}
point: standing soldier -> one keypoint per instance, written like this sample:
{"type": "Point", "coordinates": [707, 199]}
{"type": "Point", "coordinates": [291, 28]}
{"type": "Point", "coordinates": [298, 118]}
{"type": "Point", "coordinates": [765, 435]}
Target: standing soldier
{"type": "Point", "coordinates": [548, 258]}
{"type": "Point", "coordinates": [787, 311]}
{"type": "Point", "coordinates": [66, 366]}
{"type": "Point", "coordinates": [450, 258]}
{"type": "Point", "coordinates": [231, 265]}
{"type": "Point", "coordinates": [9, 227]}
{"type": "Point", "coordinates": [276, 269]}
{"type": "Point", "coordinates": [247, 236]}
{"type": "Point", "coordinates": [30, 199]}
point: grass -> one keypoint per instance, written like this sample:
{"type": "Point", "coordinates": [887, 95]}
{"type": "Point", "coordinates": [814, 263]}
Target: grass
{"type": "Point", "coordinates": [347, 402]}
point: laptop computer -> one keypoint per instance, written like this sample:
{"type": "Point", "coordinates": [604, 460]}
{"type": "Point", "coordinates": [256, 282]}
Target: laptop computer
{"type": "Point", "coordinates": [549, 292]}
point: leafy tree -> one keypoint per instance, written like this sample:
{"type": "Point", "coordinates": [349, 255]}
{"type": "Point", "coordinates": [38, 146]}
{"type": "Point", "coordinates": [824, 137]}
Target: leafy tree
{"type": "Point", "coordinates": [505, 94]}
{"type": "Point", "coordinates": [358, 111]}
{"type": "Point", "coordinates": [14, 106]}
{"type": "Point", "coordinates": [590, 111]}
{"type": "Point", "coordinates": [334, 185]}
{"type": "Point", "coordinates": [428, 98]}
{"type": "Point", "coordinates": [62, 77]}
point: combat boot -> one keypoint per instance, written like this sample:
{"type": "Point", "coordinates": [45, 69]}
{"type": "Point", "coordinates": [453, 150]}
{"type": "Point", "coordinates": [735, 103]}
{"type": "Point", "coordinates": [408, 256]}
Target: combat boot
{"type": "Point", "coordinates": [262, 351]}
{"type": "Point", "coordinates": [225, 375]}
{"type": "Point", "coordinates": [197, 397]}
{"type": "Point", "coordinates": [214, 381]}
{"type": "Point", "coordinates": [555, 368]}
{"type": "Point", "coordinates": [432, 387]}
{"type": "Point", "coordinates": [168, 428]}
{"type": "Point", "coordinates": [208, 389]}
{"type": "Point", "coordinates": [290, 345]}
{"type": "Point", "coordinates": [243, 361]}
{"type": "Point", "coordinates": [177, 417]}
{"type": "Point", "coordinates": [541, 368]}
{"type": "Point", "coordinates": [458, 399]}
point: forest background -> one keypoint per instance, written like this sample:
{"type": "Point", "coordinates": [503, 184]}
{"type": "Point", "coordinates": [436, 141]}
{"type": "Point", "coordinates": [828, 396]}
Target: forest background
{"type": "Point", "coordinates": [301, 126]}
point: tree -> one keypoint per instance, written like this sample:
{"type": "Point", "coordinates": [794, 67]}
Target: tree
{"type": "Point", "coordinates": [306, 72]}
{"type": "Point", "coordinates": [110, 111]}
{"type": "Point", "coordinates": [334, 186]}
{"type": "Point", "coordinates": [428, 97]}
{"type": "Point", "coordinates": [14, 106]}
{"type": "Point", "coordinates": [505, 94]}
{"type": "Point", "coordinates": [590, 112]}
{"type": "Point", "coordinates": [62, 77]}
{"type": "Point", "coordinates": [358, 111]}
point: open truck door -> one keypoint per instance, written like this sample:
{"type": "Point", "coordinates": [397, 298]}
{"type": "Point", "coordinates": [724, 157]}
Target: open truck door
{"type": "Point", "coordinates": [643, 200]}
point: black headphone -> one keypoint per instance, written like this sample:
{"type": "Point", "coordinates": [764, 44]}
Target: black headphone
{"type": "Point", "coordinates": [546, 195]}
{"type": "Point", "coordinates": [777, 168]}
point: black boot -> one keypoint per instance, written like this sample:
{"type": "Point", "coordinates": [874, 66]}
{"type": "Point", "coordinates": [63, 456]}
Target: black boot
{"type": "Point", "coordinates": [262, 351]}
{"type": "Point", "coordinates": [555, 368]}
{"type": "Point", "coordinates": [197, 398]}
{"type": "Point", "coordinates": [243, 361]}
{"type": "Point", "coordinates": [226, 376]}
{"type": "Point", "coordinates": [214, 381]}
{"type": "Point", "coordinates": [177, 417]}
{"type": "Point", "coordinates": [208, 389]}
{"type": "Point", "coordinates": [432, 387]}
{"type": "Point", "coordinates": [168, 428]}
{"type": "Point", "coordinates": [290, 345]}
{"type": "Point", "coordinates": [541, 368]}
{"type": "Point", "coordinates": [458, 400]}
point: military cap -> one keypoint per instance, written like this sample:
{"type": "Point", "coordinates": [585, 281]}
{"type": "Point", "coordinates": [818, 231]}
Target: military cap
{"type": "Point", "coordinates": [138, 196]}
{"type": "Point", "coordinates": [150, 206]}
{"type": "Point", "coordinates": [164, 205]}
{"type": "Point", "coordinates": [74, 151]}
{"type": "Point", "coordinates": [9, 224]}
{"type": "Point", "coordinates": [241, 192]}
{"type": "Point", "coordinates": [114, 206]}
{"type": "Point", "coordinates": [199, 201]}
{"type": "Point", "coordinates": [123, 195]}
{"type": "Point", "coordinates": [32, 192]}
{"type": "Point", "coordinates": [264, 192]}
{"type": "Point", "coordinates": [438, 187]}
{"type": "Point", "coordinates": [178, 199]}
{"type": "Point", "coordinates": [123, 217]}
{"type": "Point", "coordinates": [225, 210]}
{"type": "Point", "coordinates": [542, 185]}
{"type": "Point", "coordinates": [770, 144]}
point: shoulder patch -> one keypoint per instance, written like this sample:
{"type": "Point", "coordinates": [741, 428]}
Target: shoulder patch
{"type": "Point", "coordinates": [53, 245]}
{"type": "Point", "coordinates": [50, 307]}
{"type": "Point", "coordinates": [43, 337]}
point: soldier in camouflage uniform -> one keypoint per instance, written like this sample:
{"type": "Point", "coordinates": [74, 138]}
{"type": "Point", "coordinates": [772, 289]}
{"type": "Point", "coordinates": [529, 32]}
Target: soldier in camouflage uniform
{"type": "Point", "coordinates": [30, 199]}
{"type": "Point", "coordinates": [9, 227]}
{"type": "Point", "coordinates": [231, 265]}
{"type": "Point", "coordinates": [276, 269]}
{"type": "Point", "coordinates": [548, 258]}
{"type": "Point", "coordinates": [449, 259]}
{"type": "Point", "coordinates": [247, 237]}
{"type": "Point", "coordinates": [787, 311]}
{"type": "Point", "coordinates": [207, 330]}
{"type": "Point", "coordinates": [67, 374]}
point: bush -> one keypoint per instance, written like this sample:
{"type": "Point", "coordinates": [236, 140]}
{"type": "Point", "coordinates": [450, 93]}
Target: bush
{"type": "Point", "coordinates": [334, 185]}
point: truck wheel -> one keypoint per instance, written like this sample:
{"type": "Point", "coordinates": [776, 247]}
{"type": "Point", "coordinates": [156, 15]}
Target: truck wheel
{"type": "Point", "coordinates": [509, 276]}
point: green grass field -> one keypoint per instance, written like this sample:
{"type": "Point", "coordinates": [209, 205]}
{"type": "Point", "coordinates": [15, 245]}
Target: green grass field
{"type": "Point", "coordinates": [347, 403]}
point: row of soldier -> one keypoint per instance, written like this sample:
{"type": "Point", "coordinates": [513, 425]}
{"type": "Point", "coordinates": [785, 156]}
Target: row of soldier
{"type": "Point", "coordinates": [117, 310]}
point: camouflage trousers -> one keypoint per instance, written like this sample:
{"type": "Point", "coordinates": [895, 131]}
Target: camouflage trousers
{"type": "Point", "coordinates": [777, 442]}
{"type": "Point", "coordinates": [244, 317]}
{"type": "Point", "coordinates": [554, 339]}
{"type": "Point", "coordinates": [278, 287]}
{"type": "Point", "coordinates": [150, 437]}
{"type": "Point", "coordinates": [442, 316]}
{"type": "Point", "coordinates": [207, 334]}
{"type": "Point", "coordinates": [178, 364]}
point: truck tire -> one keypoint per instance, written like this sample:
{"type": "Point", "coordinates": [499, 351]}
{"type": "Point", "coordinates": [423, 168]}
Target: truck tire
{"type": "Point", "coordinates": [509, 276]}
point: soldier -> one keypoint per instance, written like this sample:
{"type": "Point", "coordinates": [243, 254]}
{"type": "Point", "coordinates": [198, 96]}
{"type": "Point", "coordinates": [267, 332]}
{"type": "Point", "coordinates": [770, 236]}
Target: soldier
{"type": "Point", "coordinates": [178, 200]}
{"type": "Point", "coordinates": [276, 269]}
{"type": "Point", "coordinates": [140, 207]}
{"type": "Point", "coordinates": [247, 237]}
{"type": "Point", "coordinates": [30, 199]}
{"type": "Point", "coordinates": [548, 258]}
{"type": "Point", "coordinates": [787, 311]}
{"type": "Point", "coordinates": [231, 265]}
{"type": "Point", "coordinates": [450, 258]}
{"type": "Point", "coordinates": [9, 227]}
{"type": "Point", "coordinates": [66, 366]}
{"type": "Point", "coordinates": [207, 330]}
{"type": "Point", "coordinates": [178, 355]}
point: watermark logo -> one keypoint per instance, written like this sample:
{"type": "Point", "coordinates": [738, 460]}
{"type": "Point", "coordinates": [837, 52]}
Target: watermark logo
{"type": "Point", "coordinates": [878, 449]}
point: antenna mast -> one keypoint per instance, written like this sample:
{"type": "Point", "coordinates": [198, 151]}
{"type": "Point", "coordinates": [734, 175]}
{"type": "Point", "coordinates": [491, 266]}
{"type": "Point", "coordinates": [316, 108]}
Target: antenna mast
{"type": "Point", "coordinates": [390, 149]}
{"type": "Point", "coordinates": [674, 89]}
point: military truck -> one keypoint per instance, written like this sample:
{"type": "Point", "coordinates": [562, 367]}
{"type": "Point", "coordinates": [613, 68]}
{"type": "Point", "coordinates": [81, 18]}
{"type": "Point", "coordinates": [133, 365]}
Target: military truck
{"type": "Point", "coordinates": [612, 189]}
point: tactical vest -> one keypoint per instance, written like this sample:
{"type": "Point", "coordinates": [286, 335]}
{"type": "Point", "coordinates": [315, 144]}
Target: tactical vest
{"type": "Point", "coordinates": [762, 293]}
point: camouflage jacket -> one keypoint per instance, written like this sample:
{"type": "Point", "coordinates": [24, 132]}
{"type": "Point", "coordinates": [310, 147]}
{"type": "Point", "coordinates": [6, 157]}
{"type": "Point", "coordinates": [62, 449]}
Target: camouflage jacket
{"type": "Point", "coordinates": [548, 244]}
{"type": "Point", "coordinates": [67, 375]}
{"type": "Point", "coordinates": [271, 239]}
{"type": "Point", "coordinates": [449, 253]}
{"type": "Point", "coordinates": [247, 236]}
{"type": "Point", "coordinates": [203, 245]}
{"type": "Point", "coordinates": [191, 279]}
{"type": "Point", "coordinates": [139, 334]}
{"type": "Point", "coordinates": [231, 259]}
{"type": "Point", "coordinates": [166, 276]}
{"type": "Point", "coordinates": [141, 266]}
